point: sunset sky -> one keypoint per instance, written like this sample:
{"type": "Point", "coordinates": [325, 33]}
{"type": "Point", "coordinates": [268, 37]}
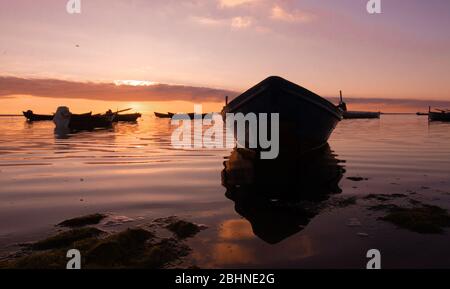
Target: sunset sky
{"type": "Point", "coordinates": [141, 51]}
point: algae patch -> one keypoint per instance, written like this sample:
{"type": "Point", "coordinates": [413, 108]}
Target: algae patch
{"type": "Point", "coordinates": [384, 197]}
{"type": "Point", "coordinates": [343, 202]}
{"type": "Point", "coordinates": [66, 238]}
{"type": "Point", "coordinates": [180, 228]}
{"type": "Point", "coordinates": [183, 229]}
{"type": "Point", "coordinates": [426, 219]}
{"type": "Point", "coordinates": [120, 248]}
{"type": "Point", "coordinates": [137, 247]}
{"type": "Point", "coordinates": [83, 221]}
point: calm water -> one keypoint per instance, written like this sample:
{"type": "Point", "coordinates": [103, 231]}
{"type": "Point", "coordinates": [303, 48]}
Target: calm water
{"type": "Point", "coordinates": [131, 171]}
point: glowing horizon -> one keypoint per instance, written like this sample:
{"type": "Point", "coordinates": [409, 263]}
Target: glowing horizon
{"type": "Point", "coordinates": [201, 50]}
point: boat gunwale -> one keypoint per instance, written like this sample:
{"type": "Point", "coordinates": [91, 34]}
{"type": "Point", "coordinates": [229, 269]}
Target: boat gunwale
{"type": "Point", "coordinates": [258, 88]}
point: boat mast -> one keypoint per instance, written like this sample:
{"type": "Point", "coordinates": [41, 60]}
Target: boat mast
{"type": "Point", "coordinates": [342, 105]}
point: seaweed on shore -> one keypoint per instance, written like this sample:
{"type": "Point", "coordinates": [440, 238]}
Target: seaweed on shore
{"type": "Point", "coordinates": [182, 229]}
{"type": "Point", "coordinates": [118, 249]}
{"type": "Point", "coordinates": [65, 239]}
{"type": "Point", "coordinates": [343, 202]}
{"type": "Point", "coordinates": [425, 219]}
{"type": "Point", "coordinates": [416, 217]}
{"type": "Point", "coordinates": [131, 248]}
{"type": "Point", "coordinates": [384, 197]}
{"type": "Point", "coordinates": [83, 221]}
{"type": "Point", "coordinates": [383, 207]}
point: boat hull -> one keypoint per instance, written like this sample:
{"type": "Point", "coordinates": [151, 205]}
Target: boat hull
{"type": "Point", "coordinates": [306, 120]}
{"type": "Point", "coordinates": [439, 116]}
{"type": "Point", "coordinates": [127, 117]}
{"type": "Point", "coordinates": [37, 117]}
{"type": "Point", "coordinates": [163, 115]}
{"type": "Point", "coordinates": [89, 122]}
{"type": "Point", "coordinates": [360, 114]}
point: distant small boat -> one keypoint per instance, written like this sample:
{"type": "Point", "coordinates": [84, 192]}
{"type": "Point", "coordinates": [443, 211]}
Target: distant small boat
{"type": "Point", "coordinates": [360, 114]}
{"type": "Point", "coordinates": [421, 113]}
{"type": "Point", "coordinates": [191, 115]}
{"type": "Point", "coordinates": [130, 117]}
{"type": "Point", "coordinates": [67, 121]}
{"type": "Point", "coordinates": [355, 114]}
{"type": "Point", "coordinates": [439, 115]}
{"type": "Point", "coordinates": [306, 120]}
{"type": "Point", "coordinates": [30, 116]}
{"type": "Point", "coordinates": [163, 115]}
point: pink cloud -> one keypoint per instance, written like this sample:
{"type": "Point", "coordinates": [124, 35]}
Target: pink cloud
{"type": "Point", "coordinates": [281, 14]}
{"type": "Point", "coordinates": [241, 22]}
{"type": "Point", "coordinates": [234, 3]}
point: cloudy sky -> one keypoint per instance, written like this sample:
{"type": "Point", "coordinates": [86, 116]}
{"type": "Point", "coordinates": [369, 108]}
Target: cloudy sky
{"type": "Point", "coordinates": [199, 50]}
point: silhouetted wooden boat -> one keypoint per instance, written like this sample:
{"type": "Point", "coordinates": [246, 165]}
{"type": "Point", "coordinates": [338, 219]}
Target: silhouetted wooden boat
{"type": "Point", "coordinates": [163, 115]}
{"type": "Point", "coordinates": [439, 115]}
{"type": "Point", "coordinates": [130, 117]}
{"type": "Point", "coordinates": [191, 115]}
{"type": "Point", "coordinates": [360, 114]}
{"type": "Point", "coordinates": [42, 117]}
{"type": "Point", "coordinates": [346, 114]}
{"type": "Point", "coordinates": [90, 122]}
{"type": "Point", "coordinates": [421, 113]}
{"type": "Point", "coordinates": [127, 117]}
{"type": "Point", "coordinates": [65, 120]}
{"type": "Point", "coordinates": [306, 119]}
{"type": "Point", "coordinates": [30, 116]}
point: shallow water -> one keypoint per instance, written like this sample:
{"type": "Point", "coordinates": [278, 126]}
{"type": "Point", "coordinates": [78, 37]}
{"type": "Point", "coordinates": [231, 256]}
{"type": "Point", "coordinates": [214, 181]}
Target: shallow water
{"type": "Point", "coordinates": [132, 170]}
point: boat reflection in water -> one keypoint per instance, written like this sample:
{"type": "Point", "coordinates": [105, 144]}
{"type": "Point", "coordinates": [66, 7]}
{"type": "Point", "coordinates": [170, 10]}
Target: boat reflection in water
{"type": "Point", "coordinates": [279, 197]}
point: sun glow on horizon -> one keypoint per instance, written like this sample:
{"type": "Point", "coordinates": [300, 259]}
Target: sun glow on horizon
{"type": "Point", "coordinates": [133, 82]}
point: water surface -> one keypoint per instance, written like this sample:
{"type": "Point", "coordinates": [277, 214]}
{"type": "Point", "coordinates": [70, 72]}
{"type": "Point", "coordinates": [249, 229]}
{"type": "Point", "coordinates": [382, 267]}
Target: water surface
{"type": "Point", "coordinates": [132, 170]}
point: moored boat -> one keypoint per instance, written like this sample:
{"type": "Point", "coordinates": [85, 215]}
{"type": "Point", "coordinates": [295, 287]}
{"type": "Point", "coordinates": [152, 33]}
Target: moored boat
{"type": "Point", "coordinates": [30, 116]}
{"type": "Point", "coordinates": [346, 114]}
{"type": "Point", "coordinates": [439, 115]}
{"type": "Point", "coordinates": [129, 117]}
{"type": "Point", "coordinates": [66, 121]}
{"type": "Point", "coordinates": [360, 114]}
{"type": "Point", "coordinates": [163, 115]}
{"type": "Point", "coordinates": [191, 115]}
{"type": "Point", "coordinates": [306, 120]}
